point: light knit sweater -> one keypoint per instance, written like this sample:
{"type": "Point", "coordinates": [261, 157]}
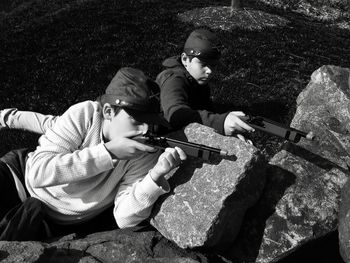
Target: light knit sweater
{"type": "Point", "coordinates": [73, 173]}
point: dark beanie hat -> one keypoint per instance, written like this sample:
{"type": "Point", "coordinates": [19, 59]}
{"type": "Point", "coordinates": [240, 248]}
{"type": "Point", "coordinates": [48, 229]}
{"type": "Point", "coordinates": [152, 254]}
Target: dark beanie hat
{"type": "Point", "coordinates": [203, 44]}
{"type": "Point", "coordinates": [133, 91]}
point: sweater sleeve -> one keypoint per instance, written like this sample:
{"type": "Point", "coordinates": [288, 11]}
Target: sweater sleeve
{"type": "Point", "coordinates": [26, 120]}
{"type": "Point", "coordinates": [137, 192]}
{"type": "Point", "coordinates": [58, 159]}
{"type": "Point", "coordinates": [177, 110]}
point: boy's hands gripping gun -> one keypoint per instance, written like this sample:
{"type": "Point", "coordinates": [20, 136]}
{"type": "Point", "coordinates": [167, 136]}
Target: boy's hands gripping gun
{"type": "Point", "coordinates": [191, 149]}
{"type": "Point", "coordinates": [278, 129]}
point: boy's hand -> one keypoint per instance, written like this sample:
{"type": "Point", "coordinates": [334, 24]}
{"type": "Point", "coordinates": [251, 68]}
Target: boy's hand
{"type": "Point", "coordinates": [234, 123]}
{"type": "Point", "coordinates": [168, 160]}
{"type": "Point", "coordinates": [124, 148]}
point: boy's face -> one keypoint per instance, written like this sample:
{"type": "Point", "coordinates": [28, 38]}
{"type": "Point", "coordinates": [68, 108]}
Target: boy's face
{"type": "Point", "coordinates": [121, 123]}
{"type": "Point", "coordinates": [201, 71]}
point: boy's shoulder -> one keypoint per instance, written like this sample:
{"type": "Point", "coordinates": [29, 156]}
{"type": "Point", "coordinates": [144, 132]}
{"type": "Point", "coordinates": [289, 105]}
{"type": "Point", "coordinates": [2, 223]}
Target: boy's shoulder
{"type": "Point", "coordinates": [173, 69]}
{"type": "Point", "coordinates": [85, 108]}
{"type": "Point", "coordinates": [88, 105]}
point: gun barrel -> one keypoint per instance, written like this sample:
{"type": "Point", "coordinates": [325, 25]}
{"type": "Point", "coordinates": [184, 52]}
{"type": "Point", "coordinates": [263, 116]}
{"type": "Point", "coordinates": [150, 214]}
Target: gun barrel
{"type": "Point", "coordinates": [191, 149]}
{"type": "Point", "coordinates": [195, 145]}
{"type": "Point", "coordinates": [194, 149]}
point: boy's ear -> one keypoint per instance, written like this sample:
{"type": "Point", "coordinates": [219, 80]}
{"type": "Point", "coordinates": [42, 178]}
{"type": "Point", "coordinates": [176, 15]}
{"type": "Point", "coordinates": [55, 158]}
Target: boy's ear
{"type": "Point", "coordinates": [107, 111]}
{"type": "Point", "coordinates": [184, 59]}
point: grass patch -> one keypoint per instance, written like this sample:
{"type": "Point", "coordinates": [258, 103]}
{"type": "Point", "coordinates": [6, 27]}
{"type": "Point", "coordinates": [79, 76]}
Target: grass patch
{"type": "Point", "coordinates": [59, 52]}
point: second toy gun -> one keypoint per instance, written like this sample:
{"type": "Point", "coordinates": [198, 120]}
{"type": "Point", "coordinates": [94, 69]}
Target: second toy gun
{"type": "Point", "coordinates": [191, 149]}
{"type": "Point", "coordinates": [278, 129]}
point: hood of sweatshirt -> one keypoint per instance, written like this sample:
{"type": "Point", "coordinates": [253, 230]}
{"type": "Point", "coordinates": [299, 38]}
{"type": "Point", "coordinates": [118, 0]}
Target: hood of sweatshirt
{"type": "Point", "coordinates": [172, 62]}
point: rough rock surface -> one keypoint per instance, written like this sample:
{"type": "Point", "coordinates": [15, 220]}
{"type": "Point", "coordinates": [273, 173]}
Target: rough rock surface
{"type": "Point", "coordinates": [106, 247]}
{"type": "Point", "coordinates": [301, 199]}
{"type": "Point", "coordinates": [344, 223]}
{"type": "Point", "coordinates": [209, 199]}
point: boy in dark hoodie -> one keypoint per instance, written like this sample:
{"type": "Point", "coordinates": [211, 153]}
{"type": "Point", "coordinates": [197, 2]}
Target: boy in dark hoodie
{"type": "Point", "coordinates": [184, 90]}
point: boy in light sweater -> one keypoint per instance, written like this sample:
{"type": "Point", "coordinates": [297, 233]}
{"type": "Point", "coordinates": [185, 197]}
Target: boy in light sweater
{"type": "Point", "coordinates": [87, 162]}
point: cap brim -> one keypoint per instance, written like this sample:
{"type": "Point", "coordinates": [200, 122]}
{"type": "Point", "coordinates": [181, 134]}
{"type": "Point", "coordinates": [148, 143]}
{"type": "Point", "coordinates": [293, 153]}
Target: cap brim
{"type": "Point", "coordinates": [147, 117]}
{"type": "Point", "coordinates": [210, 60]}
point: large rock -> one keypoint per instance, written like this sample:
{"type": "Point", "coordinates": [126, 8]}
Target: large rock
{"type": "Point", "coordinates": [301, 199]}
{"type": "Point", "coordinates": [209, 199]}
{"type": "Point", "coordinates": [344, 223]}
{"type": "Point", "coordinates": [106, 247]}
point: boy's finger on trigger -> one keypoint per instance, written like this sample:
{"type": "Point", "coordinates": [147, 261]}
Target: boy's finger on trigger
{"type": "Point", "coordinates": [250, 129]}
{"type": "Point", "coordinates": [246, 126]}
{"type": "Point", "coordinates": [242, 124]}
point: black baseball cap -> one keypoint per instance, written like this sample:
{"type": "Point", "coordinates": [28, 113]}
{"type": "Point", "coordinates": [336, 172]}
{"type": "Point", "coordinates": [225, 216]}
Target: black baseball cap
{"type": "Point", "coordinates": [137, 94]}
{"type": "Point", "coordinates": [203, 44]}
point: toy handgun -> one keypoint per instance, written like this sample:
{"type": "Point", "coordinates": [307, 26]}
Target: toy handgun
{"type": "Point", "coordinates": [191, 149]}
{"type": "Point", "coordinates": [278, 129]}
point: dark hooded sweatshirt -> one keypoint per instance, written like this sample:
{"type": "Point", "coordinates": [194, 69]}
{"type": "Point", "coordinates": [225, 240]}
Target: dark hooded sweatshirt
{"type": "Point", "coordinates": [183, 100]}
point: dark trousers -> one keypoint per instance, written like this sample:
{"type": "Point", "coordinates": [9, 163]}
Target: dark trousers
{"type": "Point", "coordinates": [18, 220]}
{"type": "Point", "coordinates": [28, 220]}
{"type": "Point", "coordinates": [102, 222]}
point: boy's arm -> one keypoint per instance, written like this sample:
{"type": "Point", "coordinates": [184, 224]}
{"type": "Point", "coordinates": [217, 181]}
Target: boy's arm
{"type": "Point", "coordinates": [59, 159]}
{"type": "Point", "coordinates": [26, 120]}
{"type": "Point", "coordinates": [136, 195]}
{"type": "Point", "coordinates": [178, 112]}
{"type": "Point", "coordinates": [137, 192]}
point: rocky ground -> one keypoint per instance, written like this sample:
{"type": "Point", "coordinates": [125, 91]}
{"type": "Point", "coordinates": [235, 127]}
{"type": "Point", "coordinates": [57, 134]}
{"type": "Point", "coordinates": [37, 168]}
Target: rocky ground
{"type": "Point", "coordinates": [56, 53]}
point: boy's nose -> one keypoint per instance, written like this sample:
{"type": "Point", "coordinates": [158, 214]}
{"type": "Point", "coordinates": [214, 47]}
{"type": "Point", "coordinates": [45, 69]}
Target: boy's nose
{"type": "Point", "coordinates": [208, 70]}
